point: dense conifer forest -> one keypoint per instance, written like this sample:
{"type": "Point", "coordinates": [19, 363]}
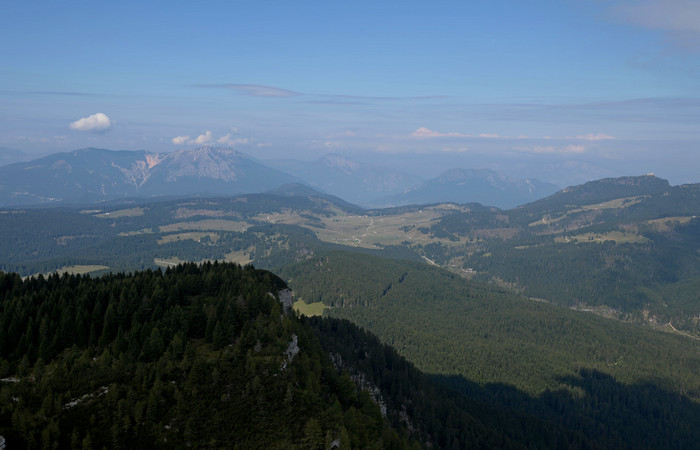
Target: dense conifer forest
{"type": "Point", "coordinates": [207, 356]}
{"type": "Point", "coordinates": [195, 356]}
{"type": "Point", "coordinates": [594, 375]}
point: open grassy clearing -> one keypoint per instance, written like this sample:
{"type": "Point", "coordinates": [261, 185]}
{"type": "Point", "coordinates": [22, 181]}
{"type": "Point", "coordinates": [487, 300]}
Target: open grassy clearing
{"type": "Point", "coordinates": [597, 238]}
{"type": "Point", "coordinates": [612, 204]}
{"type": "Point", "coordinates": [131, 212]}
{"type": "Point", "coordinates": [288, 217]}
{"type": "Point", "coordinates": [367, 231]}
{"type": "Point", "coordinates": [81, 269]}
{"type": "Point", "coordinates": [343, 228]}
{"type": "Point", "coordinates": [167, 262]}
{"type": "Point", "coordinates": [678, 219]}
{"type": "Point", "coordinates": [63, 240]}
{"type": "Point", "coordinates": [525, 247]}
{"type": "Point", "coordinates": [137, 232]}
{"type": "Point", "coordinates": [623, 202]}
{"type": "Point", "coordinates": [374, 231]}
{"type": "Point", "coordinates": [186, 213]}
{"type": "Point", "coordinates": [74, 270]}
{"type": "Point", "coordinates": [206, 225]}
{"type": "Point", "coordinates": [241, 257]}
{"type": "Point", "coordinates": [309, 309]}
{"type": "Point", "coordinates": [668, 223]}
{"type": "Point", "coordinates": [194, 235]}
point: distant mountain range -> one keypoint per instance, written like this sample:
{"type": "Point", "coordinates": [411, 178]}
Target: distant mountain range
{"type": "Point", "coordinates": [354, 181]}
{"type": "Point", "coordinates": [473, 185]}
{"type": "Point", "coordinates": [10, 155]}
{"type": "Point", "coordinates": [94, 175]}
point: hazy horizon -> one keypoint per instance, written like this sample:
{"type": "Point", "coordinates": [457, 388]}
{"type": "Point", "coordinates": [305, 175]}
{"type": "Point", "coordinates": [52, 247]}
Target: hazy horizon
{"type": "Point", "coordinates": [519, 88]}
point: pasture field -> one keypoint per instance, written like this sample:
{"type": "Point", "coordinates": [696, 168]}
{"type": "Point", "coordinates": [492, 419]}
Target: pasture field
{"type": "Point", "coordinates": [369, 231]}
{"type": "Point", "coordinates": [623, 202]}
{"type": "Point", "coordinates": [241, 257]}
{"type": "Point", "coordinates": [167, 262]}
{"type": "Point", "coordinates": [81, 269]}
{"type": "Point", "coordinates": [597, 238]}
{"type": "Point", "coordinates": [136, 232]}
{"type": "Point", "coordinates": [668, 223]}
{"type": "Point", "coordinates": [309, 309]}
{"type": "Point", "coordinates": [131, 212]}
{"type": "Point", "coordinates": [206, 225]}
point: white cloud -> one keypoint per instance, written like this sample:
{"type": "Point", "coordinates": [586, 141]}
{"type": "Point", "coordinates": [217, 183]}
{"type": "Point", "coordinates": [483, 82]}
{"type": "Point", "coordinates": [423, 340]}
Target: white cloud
{"type": "Point", "coordinates": [202, 139]}
{"type": "Point", "coordinates": [489, 135]}
{"type": "Point", "coordinates": [549, 149]}
{"type": "Point", "coordinates": [595, 137]}
{"type": "Point", "coordinates": [224, 140]}
{"type": "Point", "coordinates": [208, 138]}
{"type": "Point", "coordinates": [231, 142]}
{"type": "Point", "coordinates": [424, 132]}
{"type": "Point", "coordinates": [180, 140]}
{"type": "Point", "coordinates": [97, 123]}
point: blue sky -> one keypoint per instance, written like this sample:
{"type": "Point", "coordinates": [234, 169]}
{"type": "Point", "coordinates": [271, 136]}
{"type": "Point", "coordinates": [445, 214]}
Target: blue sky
{"type": "Point", "coordinates": [610, 83]}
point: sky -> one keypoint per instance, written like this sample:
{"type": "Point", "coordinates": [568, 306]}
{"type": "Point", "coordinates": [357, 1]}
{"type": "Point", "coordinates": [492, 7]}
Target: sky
{"type": "Point", "coordinates": [605, 86]}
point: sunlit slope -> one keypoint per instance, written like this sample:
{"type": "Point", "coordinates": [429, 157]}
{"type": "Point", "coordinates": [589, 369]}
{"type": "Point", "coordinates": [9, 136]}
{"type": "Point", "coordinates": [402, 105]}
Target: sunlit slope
{"type": "Point", "coordinates": [627, 247]}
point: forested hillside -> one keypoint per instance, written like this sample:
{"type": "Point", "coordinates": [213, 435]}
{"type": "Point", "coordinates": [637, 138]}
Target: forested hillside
{"type": "Point", "coordinates": [594, 411]}
{"type": "Point", "coordinates": [196, 356]}
{"type": "Point", "coordinates": [135, 236]}
{"type": "Point", "coordinates": [515, 359]}
{"type": "Point", "coordinates": [207, 356]}
{"type": "Point", "coordinates": [442, 417]}
{"type": "Point", "coordinates": [627, 248]}
{"type": "Point", "coordinates": [486, 342]}
{"type": "Point", "coordinates": [449, 325]}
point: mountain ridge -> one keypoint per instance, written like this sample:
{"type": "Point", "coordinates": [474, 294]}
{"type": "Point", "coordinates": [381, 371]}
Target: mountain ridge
{"type": "Point", "coordinates": [605, 189]}
{"type": "Point", "coordinates": [483, 186]}
{"type": "Point", "coordinates": [94, 175]}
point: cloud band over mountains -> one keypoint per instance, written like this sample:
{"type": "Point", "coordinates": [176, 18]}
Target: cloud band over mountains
{"type": "Point", "coordinates": [207, 139]}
